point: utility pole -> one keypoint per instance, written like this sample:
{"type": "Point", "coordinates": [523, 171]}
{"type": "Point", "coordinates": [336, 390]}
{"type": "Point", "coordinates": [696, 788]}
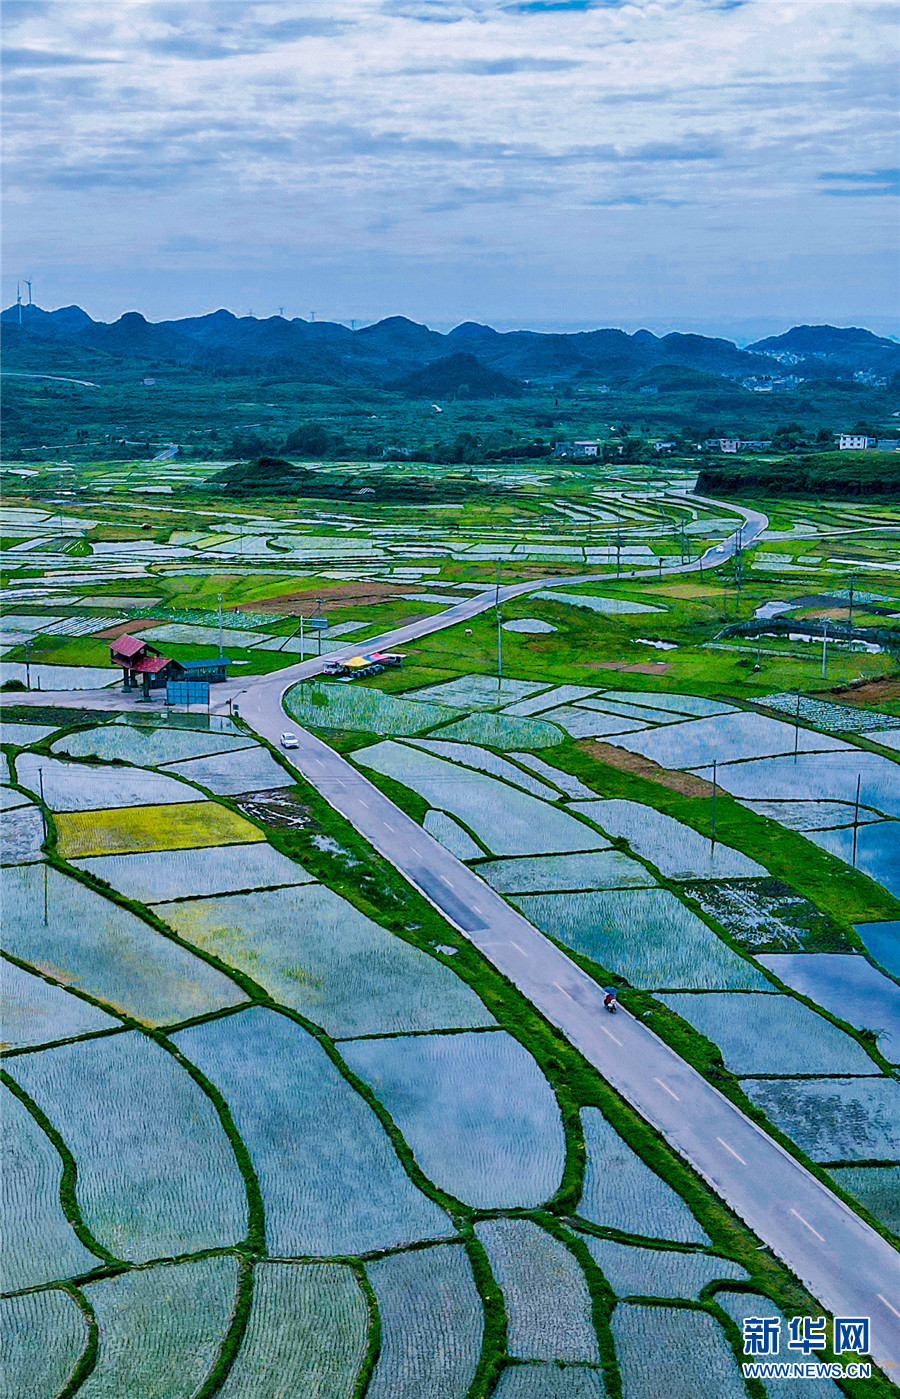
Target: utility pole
{"type": "Point", "coordinates": [824, 646]}
{"type": "Point", "coordinates": [221, 639]}
{"type": "Point", "coordinates": [714, 785]}
{"type": "Point", "coordinates": [856, 816]}
{"type": "Point", "coordinates": [28, 646]}
{"type": "Point", "coordinates": [850, 616]}
{"type": "Point", "coordinates": [797, 728]}
{"type": "Point", "coordinates": [19, 301]}
{"type": "Point", "coordinates": [499, 632]}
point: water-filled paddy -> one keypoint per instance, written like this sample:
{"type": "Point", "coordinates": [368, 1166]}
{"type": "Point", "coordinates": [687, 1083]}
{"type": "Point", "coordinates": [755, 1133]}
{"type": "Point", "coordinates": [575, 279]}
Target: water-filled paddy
{"type": "Point", "coordinates": [882, 940]}
{"type": "Point", "coordinates": [156, 1173]}
{"type": "Point", "coordinates": [548, 1306]}
{"type": "Point", "coordinates": [21, 835]}
{"type": "Point", "coordinates": [549, 699]}
{"type": "Point", "coordinates": [242, 770]}
{"type": "Point", "coordinates": [160, 875]}
{"type": "Point", "coordinates": [622, 1192]}
{"type": "Point", "coordinates": [35, 1011]}
{"type": "Point", "coordinates": [502, 731]}
{"type": "Point", "coordinates": [507, 821]}
{"type": "Point", "coordinates": [645, 935]}
{"type": "Point", "coordinates": [815, 776]}
{"type": "Point", "coordinates": [330, 1180]}
{"type": "Point", "coordinates": [834, 1119]}
{"type": "Point", "coordinates": [876, 1187]}
{"type": "Point", "coordinates": [470, 755]}
{"type": "Point", "coordinates": [81, 787]}
{"type": "Point", "coordinates": [727, 738]}
{"type": "Point", "coordinates": [877, 850]}
{"type": "Point", "coordinates": [306, 1334]}
{"type": "Point", "coordinates": [675, 1352]}
{"type": "Point", "coordinates": [677, 850]}
{"type": "Point", "coordinates": [451, 835]}
{"type": "Point", "coordinates": [477, 1112]}
{"type": "Point", "coordinates": [590, 723]}
{"type": "Point", "coordinates": [42, 1335]}
{"type": "Point", "coordinates": [476, 692]}
{"type": "Point", "coordinates": [37, 1244]}
{"type": "Point", "coordinates": [313, 951]}
{"type": "Point", "coordinates": [145, 746]}
{"type": "Point", "coordinates": [848, 986]}
{"type": "Point", "coordinates": [23, 734]}
{"type": "Point", "coordinates": [654, 1272]}
{"type": "Point", "coordinates": [357, 707]}
{"type": "Point", "coordinates": [103, 949]}
{"type": "Point", "coordinates": [432, 1323]}
{"type": "Point", "coordinates": [771, 1034]}
{"type": "Point", "coordinates": [605, 869]}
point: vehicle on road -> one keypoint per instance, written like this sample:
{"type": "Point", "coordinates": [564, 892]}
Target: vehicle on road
{"type": "Point", "coordinates": [611, 999]}
{"type": "Point", "coordinates": [372, 664]}
{"type": "Point", "coordinates": [289, 741]}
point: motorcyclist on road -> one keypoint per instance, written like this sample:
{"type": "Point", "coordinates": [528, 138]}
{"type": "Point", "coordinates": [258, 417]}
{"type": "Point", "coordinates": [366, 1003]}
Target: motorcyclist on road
{"type": "Point", "coordinates": [610, 1000]}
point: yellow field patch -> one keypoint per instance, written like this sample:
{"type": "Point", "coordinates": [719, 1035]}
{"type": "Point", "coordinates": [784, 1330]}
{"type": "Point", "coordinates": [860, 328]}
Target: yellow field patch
{"type": "Point", "coordinates": [133, 829]}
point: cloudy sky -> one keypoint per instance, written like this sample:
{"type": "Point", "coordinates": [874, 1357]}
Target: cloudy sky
{"type": "Point", "coordinates": [728, 166]}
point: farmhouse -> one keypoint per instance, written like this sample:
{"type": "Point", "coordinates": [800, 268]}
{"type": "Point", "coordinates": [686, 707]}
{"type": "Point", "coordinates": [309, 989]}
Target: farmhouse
{"type": "Point", "coordinates": [144, 666]}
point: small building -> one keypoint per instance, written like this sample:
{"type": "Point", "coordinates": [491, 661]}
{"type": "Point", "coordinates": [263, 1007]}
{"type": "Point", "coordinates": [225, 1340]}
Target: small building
{"type": "Point", "coordinates": [855, 442]}
{"type": "Point", "coordinates": [586, 448]}
{"type": "Point", "coordinates": [143, 666]}
{"type": "Point", "coordinates": [888, 444]}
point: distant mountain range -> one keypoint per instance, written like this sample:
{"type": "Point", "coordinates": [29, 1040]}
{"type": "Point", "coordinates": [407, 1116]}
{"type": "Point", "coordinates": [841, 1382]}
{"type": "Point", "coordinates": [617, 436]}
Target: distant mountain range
{"type": "Point", "coordinates": [400, 354]}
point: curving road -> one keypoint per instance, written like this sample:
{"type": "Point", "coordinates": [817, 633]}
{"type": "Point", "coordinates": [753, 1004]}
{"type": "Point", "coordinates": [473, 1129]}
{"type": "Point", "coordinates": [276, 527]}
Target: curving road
{"type": "Point", "coordinates": [845, 1264]}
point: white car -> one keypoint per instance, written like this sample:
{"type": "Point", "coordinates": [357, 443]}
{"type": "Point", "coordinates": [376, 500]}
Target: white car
{"type": "Point", "coordinates": [289, 741]}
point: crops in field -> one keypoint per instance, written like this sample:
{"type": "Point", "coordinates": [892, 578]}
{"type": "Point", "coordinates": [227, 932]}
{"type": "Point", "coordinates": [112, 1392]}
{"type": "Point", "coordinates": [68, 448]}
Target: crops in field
{"type": "Point", "coordinates": [877, 851]}
{"type": "Point", "coordinates": [60, 677]}
{"type": "Point", "coordinates": [306, 1334]}
{"type": "Point", "coordinates": [550, 1382]}
{"type": "Point", "coordinates": [21, 836]}
{"type": "Point", "coordinates": [477, 1112]}
{"type": "Point", "coordinates": [34, 1011]}
{"type": "Point", "coordinates": [331, 1183]}
{"type": "Point", "coordinates": [431, 1324]}
{"type": "Point", "coordinates": [503, 731]}
{"type": "Point", "coordinates": [476, 692]}
{"type": "Point", "coordinates": [811, 816]}
{"type": "Point", "coordinates": [79, 787]}
{"type": "Point", "coordinates": [609, 606]}
{"type": "Point", "coordinates": [673, 1351]}
{"type": "Point", "coordinates": [23, 734]}
{"type": "Point", "coordinates": [727, 738]}
{"type": "Point", "coordinates": [143, 745]}
{"type": "Point", "coordinates": [451, 835]}
{"type": "Point", "coordinates": [603, 869]}
{"type": "Point", "coordinates": [645, 935]}
{"type": "Point", "coordinates": [507, 821]}
{"type": "Point", "coordinates": [834, 1119]}
{"type": "Point", "coordinates": [242, 770]}
{"type": "Point", "coordinates": [771, 1034]}
{"type": "Point", "coordinates": [158, 876]}
{"type": "Point", "coordinates": [93, 944]}
{"type": "Point", "coordinates": [549, 699]}
{"type": "Point", "coordinates": [848, 986]}
{"type": "Point", "coordinates": [9, 799]}
{"type": "Point", "coordinates": [548, 1305]}
{"type": "Point", "coordinates": [628, 711]}
{"type": "Point", "coordinates": [358, 708]}
{"type": "Point", "coordinates": [315, 952]}
{"type": "Point", "coordinates": [739, 1305]}
{"type": "Point", "coordinates": [563, 780]}
{"type": "Point", "coordinates": [134, 829]}
{"type": "Point", "coordinates": [37, 1243]}
{"type": "Point", "coordinates": [693, 705]}
{"type": "Point", "coordinates": [816, 776]}
{"type": "Point", "coordinates": [156, 1172]}
{"type": "Point", "coordinates": [42, 1335]}
{"type": "Point", "coordinates": [882, 940]}
{"type": "Point", "coordinates": [469, 755]}
{"type": "Point", "coordinates": [656, 1272]}
{"type": "Point", "coordinates": [589, 723]}
{"type": "Point", "coordinates": [876, 1187]}
{"type": "Point", "coordinates": [140, 1358]}
{"type": "Point", "coordinates": [621, 1192]}
{"type": "Point", "coordinates": [183, 634]}
{"type": "Point", "coordinates": [841, 718]}
{"type": "Point", "coordinates": [677, 850]}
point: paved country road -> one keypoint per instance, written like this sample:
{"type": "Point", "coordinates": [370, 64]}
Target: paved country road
{"type": "Point", "coordinates": [844, 1263]}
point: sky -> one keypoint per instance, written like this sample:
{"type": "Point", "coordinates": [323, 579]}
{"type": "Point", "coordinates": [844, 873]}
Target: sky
{"type": "Point", "coordinates": [724, 166]}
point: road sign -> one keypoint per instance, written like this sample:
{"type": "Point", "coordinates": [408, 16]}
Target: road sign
{"type": "Point", "coordinates": [187, 692]}
{"type": "Point", "coordinates": [317, 623]}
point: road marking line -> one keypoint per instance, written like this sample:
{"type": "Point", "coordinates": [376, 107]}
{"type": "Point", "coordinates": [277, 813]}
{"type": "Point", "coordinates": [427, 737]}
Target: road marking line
{"type": "Point", "coordinates": [364, 803]}
{"type": "Point", "coordinates": [518, 948]}
{"type": "Point", "coordinates": [808, 1225]}
{"type": "Point", "coordinates": [560, 988]}
{"type": "Point", "coordinates": [887, 1304]}
{"type": "Point", "coordinates": [389, 826]}
{"type": "Point", "coordinates": [668, 1089]}
{"type": "Point", "coordinates": [611, 1035]}
{"type": "Point", "coordinates": [444, 880]}
{"type": "Point", "coordinates": [722, 1142]}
